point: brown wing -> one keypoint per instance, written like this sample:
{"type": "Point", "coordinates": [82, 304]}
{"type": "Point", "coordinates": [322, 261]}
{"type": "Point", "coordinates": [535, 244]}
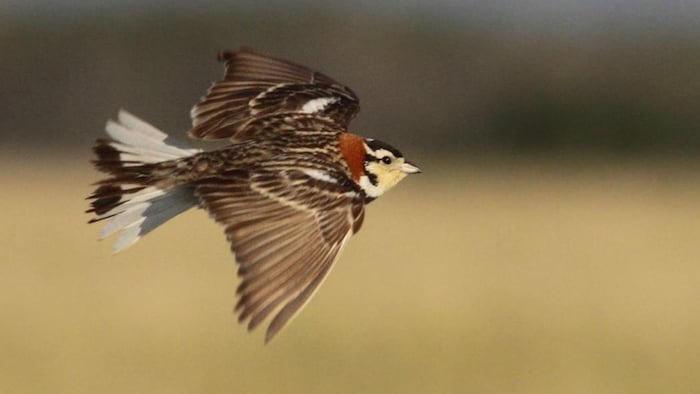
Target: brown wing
{"type": "Point", "coordinates": [286, 230]}
{"type": "Point", "coordinates": [257, 85]}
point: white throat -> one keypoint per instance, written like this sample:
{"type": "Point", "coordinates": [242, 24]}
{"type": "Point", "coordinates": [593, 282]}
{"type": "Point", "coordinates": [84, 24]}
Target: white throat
{"type": "Point", "coordinates": [371, 190]}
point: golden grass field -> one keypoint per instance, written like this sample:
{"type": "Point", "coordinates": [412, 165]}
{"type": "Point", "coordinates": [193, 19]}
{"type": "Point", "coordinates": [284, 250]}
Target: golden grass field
{"type": "Point", "coordinates": [488, 277]}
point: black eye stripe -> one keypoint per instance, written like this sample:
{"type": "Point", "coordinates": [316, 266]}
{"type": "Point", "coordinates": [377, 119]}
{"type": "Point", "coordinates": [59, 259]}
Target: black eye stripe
{"type": "Point", "coordinates": [370, 158]}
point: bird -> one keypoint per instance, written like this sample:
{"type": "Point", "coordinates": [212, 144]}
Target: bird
{"type": "Point", "coordinates": [289, 186]}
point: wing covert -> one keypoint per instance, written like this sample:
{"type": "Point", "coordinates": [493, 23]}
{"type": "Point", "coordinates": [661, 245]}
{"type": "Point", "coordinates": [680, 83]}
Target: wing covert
{"type": "Point", "coordinates": [257, 85]}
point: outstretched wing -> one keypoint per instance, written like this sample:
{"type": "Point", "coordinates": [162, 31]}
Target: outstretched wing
{"type": "Point", "coordinates": [257, 85]}
{"type": "Point", "coordinates": [286, 230]}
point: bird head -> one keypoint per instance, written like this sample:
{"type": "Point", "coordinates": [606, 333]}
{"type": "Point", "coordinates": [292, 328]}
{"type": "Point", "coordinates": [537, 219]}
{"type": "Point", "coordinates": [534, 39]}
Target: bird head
{"type": "Point", "coordinates": [384, 167]}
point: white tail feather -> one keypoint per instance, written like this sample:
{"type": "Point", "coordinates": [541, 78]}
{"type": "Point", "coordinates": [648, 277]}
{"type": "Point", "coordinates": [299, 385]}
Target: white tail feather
{"type": "Point", "coordinates": [141, 141]}
{"type": "Point", "coordinates": [132, 122]}
{"type": "Point", "coordinates": [141, 218]}
{"type": "Point", "coordinates": [140, 212]}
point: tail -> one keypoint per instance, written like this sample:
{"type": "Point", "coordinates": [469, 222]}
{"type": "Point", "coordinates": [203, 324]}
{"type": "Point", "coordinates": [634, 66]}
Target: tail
{"type": "Point", "coordinates": [135, 198]}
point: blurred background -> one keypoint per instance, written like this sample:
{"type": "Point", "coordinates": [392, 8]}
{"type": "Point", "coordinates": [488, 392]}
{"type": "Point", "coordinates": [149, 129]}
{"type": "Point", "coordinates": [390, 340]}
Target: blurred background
{"type": "Point", "coordinates": [549, 246]}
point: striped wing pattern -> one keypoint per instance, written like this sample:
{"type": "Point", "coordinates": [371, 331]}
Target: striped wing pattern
{"type": "Point", "coordinates": [286, 230]}
{"type": "Point", "coordinates": [257, 85]}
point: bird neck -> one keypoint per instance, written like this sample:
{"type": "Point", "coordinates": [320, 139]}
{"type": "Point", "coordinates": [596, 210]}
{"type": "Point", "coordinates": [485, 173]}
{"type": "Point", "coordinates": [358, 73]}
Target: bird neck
{"type": "Point", "coordinates": [352, 147]}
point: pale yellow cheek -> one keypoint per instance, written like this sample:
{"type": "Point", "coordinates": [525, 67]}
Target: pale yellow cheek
{"type": "Point", "coordinates": [390, 179]}
{"type": "Point", "coordinates": [387, 177]}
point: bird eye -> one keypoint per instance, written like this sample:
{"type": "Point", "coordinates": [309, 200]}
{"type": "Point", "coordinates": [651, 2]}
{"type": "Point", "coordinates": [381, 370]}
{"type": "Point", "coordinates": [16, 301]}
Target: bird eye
{"type": "Point", "coordinates": [386, 160]}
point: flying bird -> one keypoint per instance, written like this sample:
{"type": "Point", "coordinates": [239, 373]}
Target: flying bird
{"type": "Point", "coordinates": [290, 187]}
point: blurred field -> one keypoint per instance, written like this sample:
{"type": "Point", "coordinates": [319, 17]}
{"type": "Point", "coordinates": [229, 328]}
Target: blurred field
{"type": "Point", "coordinates": [512, 277]}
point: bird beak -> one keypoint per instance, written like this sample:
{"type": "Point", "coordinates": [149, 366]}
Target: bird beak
{"type": "Point", "coordinates": [409, 168]}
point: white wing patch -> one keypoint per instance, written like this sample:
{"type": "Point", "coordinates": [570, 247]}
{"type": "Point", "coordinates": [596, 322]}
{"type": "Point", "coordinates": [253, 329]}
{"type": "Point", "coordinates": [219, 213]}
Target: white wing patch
{"type": "Point", "coordinates": [320, 175]}
{"type": "Point", "coordinates": [318, 104]}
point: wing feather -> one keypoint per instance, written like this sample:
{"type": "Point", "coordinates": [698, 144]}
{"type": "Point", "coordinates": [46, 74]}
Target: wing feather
{"type": "Point", "coordinates": [257, 85]}
{"type": "Point", "coordinates": [278, 291]}
{"type": "Point", "coordinates": [286, 230]}
{"type": "Point", "coordinates": [295, 305]}
{"type": "Point", "coordinates": [292, 286]}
